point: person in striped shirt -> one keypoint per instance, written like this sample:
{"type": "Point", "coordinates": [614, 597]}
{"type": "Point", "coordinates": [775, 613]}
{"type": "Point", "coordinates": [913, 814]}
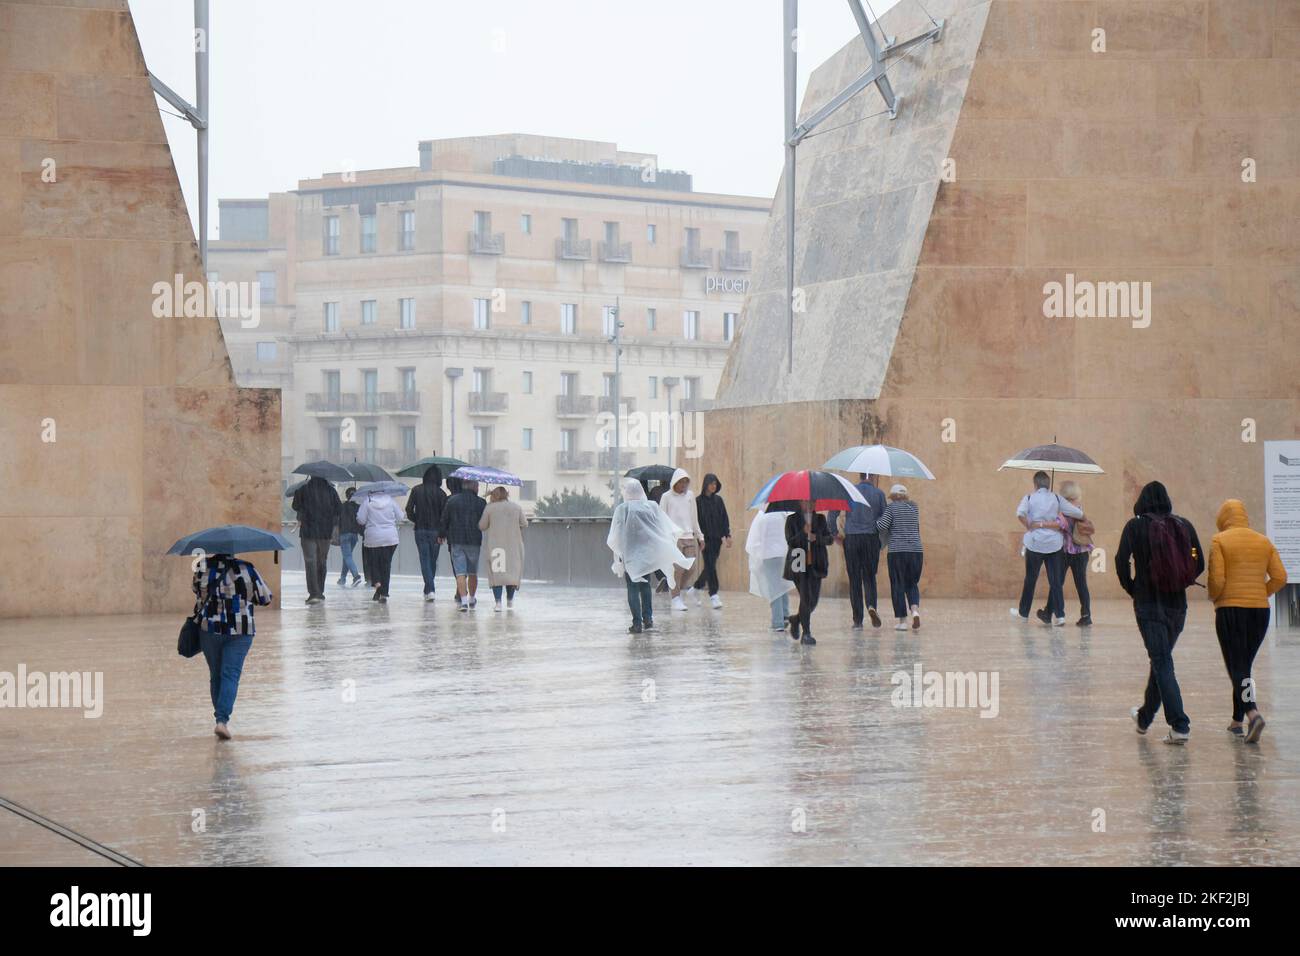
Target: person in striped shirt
{"type": "Point", "coordinates": [900, 531]}
{"type": "Point", "coordinates": [226, 590]}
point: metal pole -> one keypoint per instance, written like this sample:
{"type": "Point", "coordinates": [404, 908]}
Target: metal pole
{"type": "Point", "coordinates": [618, 371]}
{"type": "Point", "coordinates": [791, 113]}
{"type": "Point", "coordinates": [202, 44]}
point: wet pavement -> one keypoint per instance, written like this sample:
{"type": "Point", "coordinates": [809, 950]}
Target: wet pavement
{"type": "Point", "coordinates": [410, 733]}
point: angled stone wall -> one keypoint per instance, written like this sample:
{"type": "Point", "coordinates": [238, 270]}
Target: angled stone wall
{"type": "Point", "coordinates": [121, 431]}
{"type": "Point", "coordinates": [1117, 167]}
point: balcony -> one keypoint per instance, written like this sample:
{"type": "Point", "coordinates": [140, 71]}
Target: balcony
{"type": "Point", "coordinates": [333, 403]}
{"type": "Point", "coordinates": [697, 258]}
{"type": "Point", "coordinates": [606, 404]}
{"type": "Point", "coordinates": [363, 403]}
{"type": "Point", "coordinates": [488, 457]}
{"type": "Point", "coordinates": [488, 403]}
{"type": "Point", "coordinates": [577, 249]}
{"type": "Point", "coordinates": [384, 457]}
{"type": "Point", "coordinates": [485, 244]}
{"type": "Point", "coordinates": [622, 463]}
{"type": "Point", "coordinates": [734, 260]}
{"type": "Point", "coordinates": [615, 251]}
{"type": "Point", "coordinates": [575, 406]}
{"type": "Point", "coordinates": [577, 462]}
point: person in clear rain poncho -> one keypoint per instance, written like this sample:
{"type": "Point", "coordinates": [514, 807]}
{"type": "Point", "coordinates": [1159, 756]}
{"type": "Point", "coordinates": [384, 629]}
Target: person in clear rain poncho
{"type": "Point", "coordinates": [767, 549]}
{"type": "Point", "coordinates": [643, 540]}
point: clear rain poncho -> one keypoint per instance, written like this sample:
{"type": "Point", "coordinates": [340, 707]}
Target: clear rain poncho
{"type": "Point", "coordinates": [767, 548]}
{"type": "Point", "coordinates": [642, 538]}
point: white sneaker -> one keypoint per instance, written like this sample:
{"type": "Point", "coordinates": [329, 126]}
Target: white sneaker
{"type": "Point", "coordinates": [699, 597]}
{"type": "Point", "coordinates": [510, 604]}
{"type": "Point", "coordinates": [1015, 612]}
{"type": "Point", "coordinates": [497, 607]}
{"type": "Point", "coordinates": [1174, 737]}
{"type": "Point", "coordinates": [916, 618]}
{"type": "Point", "coordinates": [679, 604]}
{"type": "Point", "coordinates": [429, 596]}
{"type": "Point", "coordinates": [1137, 720]}
{"type": "Point", "coordinates": [901, 625]}
{"type": "Point", "coordinates": [1059, 622]}
{"type": "Point", "coordinates": [462, 605]}
{"type": "Point", "coordinates": [715, 600]}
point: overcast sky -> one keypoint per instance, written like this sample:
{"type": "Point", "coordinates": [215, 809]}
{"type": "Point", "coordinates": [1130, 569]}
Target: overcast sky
{"type": "Point", "coordinates": [302, 87]}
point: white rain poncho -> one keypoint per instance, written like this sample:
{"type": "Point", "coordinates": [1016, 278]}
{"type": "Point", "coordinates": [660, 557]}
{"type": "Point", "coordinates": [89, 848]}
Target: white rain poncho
{"type": "Point", "coordinates": [766, 548]}
{"type": "Point", "coordinates": [642, 538]}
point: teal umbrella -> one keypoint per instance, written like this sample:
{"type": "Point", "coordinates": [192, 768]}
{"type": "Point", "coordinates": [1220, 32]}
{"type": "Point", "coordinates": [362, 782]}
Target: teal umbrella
{"type": "Point", "coordinates": [418, 469]}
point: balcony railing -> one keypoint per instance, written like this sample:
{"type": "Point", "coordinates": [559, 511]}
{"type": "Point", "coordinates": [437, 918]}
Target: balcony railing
{"type": "Point", "coordinates": [484, 244]}
{"type": "Point", "coordinates": [384, 457]}
{"type": "Point", "coordinates": [615, 251]}
{"type": "Point", "coordinates": [488, 403]}
{"type": "Point", "coordinates": [576, 461]}
{"type": "Point", "coordinates": [572, 248]}
{"type": "Point", "coordinates": [488, 457]}
{"type": "Point", "coordinates": [363, 402]}
{"type": "Point", "coordinates": [606, 404]}
{"type": "Point", "coordinates": [333, 402]}
{"type": "Point", "coordinates": [574, 406]}
{"type": "Point", "coordinates": [624, 461]}
{"type": "Point", "coordinates": [697, 258]}
{"type": "Point", "coordinates": [734, 260]}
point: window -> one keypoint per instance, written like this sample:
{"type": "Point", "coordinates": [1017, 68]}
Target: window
{"type": "Point", "coordinates": [408, 381]}
{"type": "Point", "coordinates": [525, 313]}
{"type": "Point", "coordinates": [731, 241]}
{"type": "Point", "coordinates": [266, 351]}
{"type": "Point", "coordinates": [368, 232]}
{"type": "Point", "coordinates": [651, 320]}
{"type": "Point", "coordinates": [608, 320]}
{"type": "Point", "coordinates": [408, 441]}
{"type": "Point", "coordinates": [528, 439]}
{"type": "Point", "coordinates": [371, 435]}
{"type": "Point", "coordinates": [650, 233]}
{"type": "Point", "coordinates": [525, 223]}
{"type": "Point", "coordinates": [368, 312]}
{"type": "Point", "coordinates": [568, 383]}
{"type": "Point", "coordinates": [334, 442]}
{"type": "Point", "coordinates": [611, 233]}
{"type": "Point", "coordinates": [406, 313]}
{"type": "Point", "coordinates": [370, 388]}
{"type": "Point", "coordinates": [331, 235]}
{"type": "Point", "coordinates": [483, 437]}
{"type": "Point", "coordinates": [569, 440]}
{"type": "Point", "coordinates": [332, 385]}
{"type": "Point", "coordinates": [528, 383]}
{"type": "Point", "coordinates": [266, 288]}
{"type": "Point", "coordinates": [690, 325]}
{"type": "Point", "coordinates": [654, 386]}
{"type": "Point", "coordinates": [569, 318]}
{"type": "Point", "coordinates": [692, 239]}
{"type": "Point", "coordinates": [482, 314]}
{"type": "Point", "coordinates": [482, 223]}
{"type": "Point", "coordinates": [528, 491]}
{"type": "Point", "coordinates": [607, 384]}
{"type": "Point", "coordinates": [692, 388]}
{"type": "Point", "coordinates": [570, 230]}
{"type": "Point", "coordinates": [331, 316]}
{"type": "Point", "coordinates": [482, 380]}
{"type": "Point", "coordinates": [728, 326]}
{"type": "Point", "coordinates": [406, 233]}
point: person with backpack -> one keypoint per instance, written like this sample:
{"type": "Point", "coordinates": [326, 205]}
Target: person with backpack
{"type": "Point", "coordinates": [1245, 571]}
{"type": "Point", "coordinates": [1159, 558]}
{"type": "Point", "coordinates": [1044, 546]}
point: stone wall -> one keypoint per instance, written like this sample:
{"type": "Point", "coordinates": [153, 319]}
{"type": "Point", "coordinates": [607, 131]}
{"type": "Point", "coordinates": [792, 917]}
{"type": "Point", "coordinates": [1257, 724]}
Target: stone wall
{"type": "Point", "coordinates": [150, 437]}
{"type": "Point", "coordinates": [926, 297]}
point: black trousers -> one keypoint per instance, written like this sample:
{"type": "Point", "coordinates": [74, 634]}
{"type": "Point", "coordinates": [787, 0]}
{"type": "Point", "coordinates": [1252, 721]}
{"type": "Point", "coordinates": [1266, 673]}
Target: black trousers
{"type": "Point", "coordinates": [1160, 627]}
{"type": "Point", "coordinates": [1241, 630]}
{"type": "Point", "coordinates": [709, 574]}
{"type": "Point", "coordinates": [862, 558]}
{"type": "Point", "coordinates": [1077, 565]}
{"type": "Point", "coordinates": [367, 564]}
{"type": "Point", "coordinates": [381, 566]}
{"type": "Point", "coordinates": [1055, 562]}
{"type": "Point", "coordinates": [905, 580]}
{"type": "Point", "coordinates": [809, 587]}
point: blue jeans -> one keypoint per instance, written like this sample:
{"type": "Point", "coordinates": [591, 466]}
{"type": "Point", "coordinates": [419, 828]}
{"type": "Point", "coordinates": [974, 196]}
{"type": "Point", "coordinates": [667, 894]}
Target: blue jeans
{"type": "Point", "coordinates": [464, 559]}
{"type": "Point", "coordinates": [426, 542]}
{"type": "Point", "coordinates": [639, 600]}
{"type": "Point", "coordinates": [509, 589]}
{"type": "Point", "coordinates": [780, 610]}
{"type": "Point", "coordinates": [1160, 626]}
{"type": "Point", "coordinates": [225, 656]}
{"type": "Point", "coordinates": [348, 544]}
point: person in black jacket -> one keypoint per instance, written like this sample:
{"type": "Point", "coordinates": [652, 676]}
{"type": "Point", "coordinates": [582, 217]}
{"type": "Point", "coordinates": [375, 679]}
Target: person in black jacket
{"type": "Point", "coordinates": [1160, 614]}
{"type": "Point", "coordinates": [716, 528]}
{"type": "Point", "coordinates": [349, 533]}
{"type": "Point", "coordinates": [459, 526]}
{"type": "Point", "coordinates": [807, 562]}
{"type": "Point", "coordinates": [317, 506]}
{"type": "Point", "coordinates": [424, 509]}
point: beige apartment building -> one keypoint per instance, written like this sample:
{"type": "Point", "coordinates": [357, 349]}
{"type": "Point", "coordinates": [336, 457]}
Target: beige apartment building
{"type": "Point", "coordinates": [466, 306]}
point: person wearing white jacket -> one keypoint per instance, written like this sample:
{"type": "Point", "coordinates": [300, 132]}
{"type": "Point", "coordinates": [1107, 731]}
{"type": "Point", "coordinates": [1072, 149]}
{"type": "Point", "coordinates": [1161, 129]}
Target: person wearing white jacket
{"type": "Point", "coordinates": [380, 514]}
{"type": "Point", "coordinates": [678, 503]}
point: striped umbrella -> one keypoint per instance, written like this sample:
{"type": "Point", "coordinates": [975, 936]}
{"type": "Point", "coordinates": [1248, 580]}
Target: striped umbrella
{"type": "Point", "coordinates": [827, 491]}
{"type": "Point", "coordinates": [879, 460]}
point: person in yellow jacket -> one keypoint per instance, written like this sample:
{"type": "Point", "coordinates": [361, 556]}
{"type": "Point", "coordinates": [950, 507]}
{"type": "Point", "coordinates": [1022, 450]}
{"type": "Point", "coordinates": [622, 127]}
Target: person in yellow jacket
{"type": "Point", "coordinates": [1245, 571]}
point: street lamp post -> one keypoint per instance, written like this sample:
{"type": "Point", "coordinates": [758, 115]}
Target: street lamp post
{"type": "Point", "coordinates": [616, 339]}
{"type": "Point", "coordinates": [453, 374]}
{"type": "Point", "coordinates": [670, 383]}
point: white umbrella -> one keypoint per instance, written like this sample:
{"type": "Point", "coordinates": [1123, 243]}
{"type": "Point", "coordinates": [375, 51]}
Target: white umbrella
{"type": "Point", "coordinates": [879, 460]}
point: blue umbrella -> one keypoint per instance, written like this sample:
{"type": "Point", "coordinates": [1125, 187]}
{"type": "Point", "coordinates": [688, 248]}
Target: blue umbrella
{"type": "Point", "coordinates": [395, 488]}
{"type": "Point", "coordinates": [488, 476]}
{"type": "Point", "coordinates": [230, 539]}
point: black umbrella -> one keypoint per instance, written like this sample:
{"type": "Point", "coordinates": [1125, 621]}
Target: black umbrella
{"type": "Point", "coordinates": [292, 489]}
{"type": "Point", "coordinates": [647, 473]}
{"type": "Point", "coordinates": [323, 469]}
{"type": "Point", "coordinates": [365, 471]}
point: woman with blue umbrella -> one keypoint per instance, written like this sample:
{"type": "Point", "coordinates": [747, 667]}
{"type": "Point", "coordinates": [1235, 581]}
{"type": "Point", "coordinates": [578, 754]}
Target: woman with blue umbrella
{"type": "Point", "coordinates": [226, 589]}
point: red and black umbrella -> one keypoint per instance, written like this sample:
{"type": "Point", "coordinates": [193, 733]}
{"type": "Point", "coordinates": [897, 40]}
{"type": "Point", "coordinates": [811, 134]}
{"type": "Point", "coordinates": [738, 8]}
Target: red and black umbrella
{"type": "Point", "coordinates": [826, 490]}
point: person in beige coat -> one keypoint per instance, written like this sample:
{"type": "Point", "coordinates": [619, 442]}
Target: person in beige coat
{"type": "Point", "coordinates": [503, 525]}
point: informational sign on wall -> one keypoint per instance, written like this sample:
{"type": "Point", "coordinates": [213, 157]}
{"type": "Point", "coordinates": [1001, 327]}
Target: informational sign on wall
{"type": "Point", "coordinates": [1282, 522]}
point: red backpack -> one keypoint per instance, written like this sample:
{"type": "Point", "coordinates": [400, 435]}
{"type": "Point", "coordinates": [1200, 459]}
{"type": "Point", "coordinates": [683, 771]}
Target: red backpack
{"type": "Point", "coordinates": [1173, 559]}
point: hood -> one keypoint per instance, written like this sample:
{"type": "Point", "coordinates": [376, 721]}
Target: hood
{"type": "Point", "coordinates": [708, 478]}
{"type": "Point", "coordinates": [432, 476]}
{"type": "Point", "coordinates": [1153, 499]}
{"type": "Point", "coordinates": [1232, 514]}
{"type": "Point", "coordinates": [678, 475]}
{"type": "Point", "coordinates": [632, 490]}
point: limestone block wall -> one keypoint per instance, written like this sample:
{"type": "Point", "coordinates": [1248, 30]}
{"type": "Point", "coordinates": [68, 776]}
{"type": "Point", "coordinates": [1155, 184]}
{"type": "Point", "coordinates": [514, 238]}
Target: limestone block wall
{"type": "Point", "coordinates": [120, 431]}
{"type": "Point", "coordinates": [1122, 166]}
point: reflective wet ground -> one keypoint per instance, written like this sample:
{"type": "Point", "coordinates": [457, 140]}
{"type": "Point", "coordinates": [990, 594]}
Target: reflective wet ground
{"type": "Point", "coordinates": [410, 733]}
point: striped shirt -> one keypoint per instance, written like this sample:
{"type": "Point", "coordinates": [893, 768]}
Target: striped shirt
{"type": "Point", "coordinates": [901, 525]}
{"type": "Point", "coordinates": [226, 592]}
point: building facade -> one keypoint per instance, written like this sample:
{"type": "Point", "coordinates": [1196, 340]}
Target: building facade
{"type": "Point", "coordinates": [466, 306]}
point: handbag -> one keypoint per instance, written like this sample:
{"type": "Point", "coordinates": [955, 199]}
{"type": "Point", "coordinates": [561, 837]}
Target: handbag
{"type": "Point", "coordinates": [1080, 536]}
{"type": "Point", "coordinates": [188, 643]}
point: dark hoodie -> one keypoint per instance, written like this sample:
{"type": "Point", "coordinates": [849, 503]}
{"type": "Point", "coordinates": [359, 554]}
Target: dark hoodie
{"type": "Point", "coordinates": [712, 511]}
{"type": "Point", "coordinates": [348, 517]}
{"type": "Point", "coordinates": [1135, 543]}
{"type": "Point", "coordinates": [317, 507]}
{"type": "Point", "coordinates": [425, 503]}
